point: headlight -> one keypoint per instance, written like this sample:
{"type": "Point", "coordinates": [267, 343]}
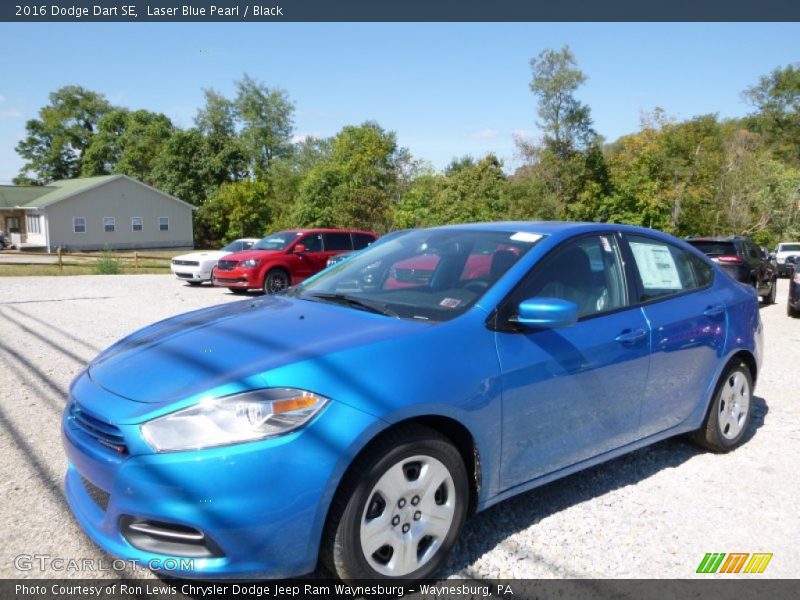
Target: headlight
{"type": "Point", "coordinates": [780, 260]}
{"type": "Point", "coordinates": [233, 419]}
{"type": "Point", "coordinates": [250, 262]}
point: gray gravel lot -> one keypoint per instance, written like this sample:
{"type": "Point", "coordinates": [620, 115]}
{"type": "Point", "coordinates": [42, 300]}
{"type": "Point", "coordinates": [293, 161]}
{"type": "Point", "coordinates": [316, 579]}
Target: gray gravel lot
{"type": "Point", "coordinates": [654, 513]}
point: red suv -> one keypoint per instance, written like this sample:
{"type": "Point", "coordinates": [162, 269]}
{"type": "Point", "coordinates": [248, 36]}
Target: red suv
{"type": "Point", "coordinates": [286, 258]}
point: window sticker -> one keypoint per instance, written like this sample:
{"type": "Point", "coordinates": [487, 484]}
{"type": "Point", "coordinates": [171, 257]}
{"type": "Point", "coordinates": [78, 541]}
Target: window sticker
{"type": "Point", "coordinates": [450, 302]}
{"type": "Point", "coordinates": [656, 266]}
{"type": "Point", "coordinates": [605, 244]}
{"type": "Point", "coordinates": [524, 236]}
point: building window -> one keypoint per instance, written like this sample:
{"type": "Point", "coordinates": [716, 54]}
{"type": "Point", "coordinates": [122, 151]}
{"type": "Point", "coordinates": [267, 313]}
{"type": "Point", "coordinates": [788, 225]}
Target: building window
{"type": "Point", "coordinates": [163, 223]}
{"type": "Point", "coordinates": [79, 224]}
{"type": "Point", "coordinates": [34, 224]}
{"type": "Point", "coordinates": [110, 224]}
{"type": "Point", "coordinates": [137, 224]}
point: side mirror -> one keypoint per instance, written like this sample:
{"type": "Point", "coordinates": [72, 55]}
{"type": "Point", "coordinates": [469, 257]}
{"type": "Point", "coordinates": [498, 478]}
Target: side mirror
{"type": "Point", "coordinates": [299, 249]}
{"type": "Point", "coordinates": [547, 313]}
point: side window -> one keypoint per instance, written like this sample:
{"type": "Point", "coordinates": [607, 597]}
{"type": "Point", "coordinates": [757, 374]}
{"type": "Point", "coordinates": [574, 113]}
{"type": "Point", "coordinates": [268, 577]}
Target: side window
{"type": "Point", "coordinates": [663, 269]}
{"type": "Point", "coordinates": [313, 242]}
{"type": "Point", "coordinates": [362, 240]}
{"type": "Point", "coordinates": [703, 273]}
{"type": "Point", "coordinates": [245, 245]}
{"type": "Point", "coordinates": [587, 271]}
{"type": "Point", "coordinates": [337, 241]}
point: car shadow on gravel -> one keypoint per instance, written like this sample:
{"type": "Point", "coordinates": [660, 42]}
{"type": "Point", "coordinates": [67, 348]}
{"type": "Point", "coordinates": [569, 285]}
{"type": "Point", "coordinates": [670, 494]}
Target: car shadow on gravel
{"type": "Point", "coordinates": [492, 527]}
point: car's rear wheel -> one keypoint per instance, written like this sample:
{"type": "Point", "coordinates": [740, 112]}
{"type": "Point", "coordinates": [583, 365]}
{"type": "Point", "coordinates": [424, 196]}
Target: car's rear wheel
{"type": "Point", "coordinates": [276, 281]}
{"type": "Point", "coordinates": [729, 414]}
{"type": "Point", "coordinates": [400, 509]}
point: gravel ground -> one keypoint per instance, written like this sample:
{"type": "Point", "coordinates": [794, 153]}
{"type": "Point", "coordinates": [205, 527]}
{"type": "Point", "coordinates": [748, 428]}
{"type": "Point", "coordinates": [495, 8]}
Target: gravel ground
{"type": "Point", "coordinates": [654, 513]}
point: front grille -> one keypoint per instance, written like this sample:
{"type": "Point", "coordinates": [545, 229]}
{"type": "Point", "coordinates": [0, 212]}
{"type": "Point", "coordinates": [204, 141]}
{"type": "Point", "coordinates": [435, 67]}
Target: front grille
{"type": "Point", "coordinates": [105, 433]}
{"type": "Point", "coordinates": [226, 265]}
{"type": "Point", "coordinates": [186, 263]}
{"type": "Point", "coordinates": [99, 496]}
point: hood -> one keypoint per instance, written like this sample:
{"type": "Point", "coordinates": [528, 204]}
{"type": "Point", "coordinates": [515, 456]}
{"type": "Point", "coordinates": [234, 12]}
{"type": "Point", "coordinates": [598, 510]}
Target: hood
{"type": "Point", "coordinates": [246, 254]}
{"type": "Point", "coordinates": [193, 353]}
{"type": "Point", "coordinates": [202, 256]}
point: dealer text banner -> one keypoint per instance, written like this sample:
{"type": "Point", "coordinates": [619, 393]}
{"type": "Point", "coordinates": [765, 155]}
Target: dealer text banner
{"type": "Point", "coordinates": [403, 10]}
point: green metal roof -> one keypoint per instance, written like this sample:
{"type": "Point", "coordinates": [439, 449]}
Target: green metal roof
{"type": "Point", "coordinates": [39, 196]}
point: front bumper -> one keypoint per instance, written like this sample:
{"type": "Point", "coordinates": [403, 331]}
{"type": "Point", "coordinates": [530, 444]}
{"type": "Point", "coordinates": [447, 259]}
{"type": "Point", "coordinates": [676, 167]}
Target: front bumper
{"type": "Point", "coordinates": [260, 506]}
{"type": "Point", "coordinates": [191, 273]}
{"type": "Point", "coordinates": [237, 278]}
{"type": "Point", "coordinates": [785, 269]}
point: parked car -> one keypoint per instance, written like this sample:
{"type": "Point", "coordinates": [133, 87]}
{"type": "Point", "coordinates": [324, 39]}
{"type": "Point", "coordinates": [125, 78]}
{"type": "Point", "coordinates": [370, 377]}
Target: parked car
{"type": "Point", "coordinates": [286, 258]}
{"type": "Point", "coordinates": [782, 252]}
{"type": "Point", "coordinates": [335, 260]}
{"type": "Point", "coordinates": [743, 260]}
{"type": "Point", "coordinates": [196, 267]}
{"type": "Point", "coordinates": [793, 305]}
{"type": "Point", "coordinates": [359, 424]}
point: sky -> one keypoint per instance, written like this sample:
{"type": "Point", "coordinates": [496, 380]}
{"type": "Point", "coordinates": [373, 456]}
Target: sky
{"type": "Point", "coordinates": [446, 89]}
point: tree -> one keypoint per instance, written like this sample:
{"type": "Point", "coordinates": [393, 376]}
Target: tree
{"type": "Point", "coordinates": [56, 141]}
{"type": "Point", "coordinates": [265, 116]}
{"type": "Point", "coordinates": [566, 121]}
{"type": "Point", "coordinates": [777, 98]}
{"type": "Point", "coordinates": [224, 155]}
{"type": "Point", "coordinates": [127, 142]}
{"type": "Point", "coordinates": [181, 168]}
{"type": "Point", "coordinates": [238, 209]}
{"type": "Point", "coordinates": [354, 185]}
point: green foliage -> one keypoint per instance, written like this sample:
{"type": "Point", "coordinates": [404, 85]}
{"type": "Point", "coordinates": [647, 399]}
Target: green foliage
{"type": "Point", "coordinates": [127, 142]}
{"type": "Point", "coordinates": [266, 117]}
{"type": "Point", "coordinates": [238, 209]}
{"type": "Point", "coordinates": [107, 264]}
{"type": "Point", "coordinates": [777, 99]}
{"type": "Point", "coordinates": [566, 122]}
{"type": "Point", "coordinates": [353, 185]}
{"type": "Point", "coordinates": [56, 141]}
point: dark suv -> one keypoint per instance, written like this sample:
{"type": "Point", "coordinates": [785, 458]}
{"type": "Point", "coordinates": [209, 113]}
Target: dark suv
{"type": "Point", "coordinates": [743, 260]}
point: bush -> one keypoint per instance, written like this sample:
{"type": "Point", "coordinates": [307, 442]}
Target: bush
{"type": "Point", "coordinates": [107, 264]}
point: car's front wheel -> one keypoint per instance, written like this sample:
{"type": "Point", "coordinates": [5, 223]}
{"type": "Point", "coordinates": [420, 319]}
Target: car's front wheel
{"type": "Point", "coordinates": [729, 414]}
{"type": "Point", "coordinates": [400, 509]}
{"type": "Point", "coordinates": [276, 281]}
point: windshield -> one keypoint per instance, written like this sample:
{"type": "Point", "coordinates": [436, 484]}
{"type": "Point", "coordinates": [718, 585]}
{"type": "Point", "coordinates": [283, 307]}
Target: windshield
{"type": "Point", "coordinates": [789, 248]}
{"type": "Point", "coordinates": [235, 246]}
{"type": "Point", "coordinates": [432, 275]}
{"type": "Point", "coordinates": [276, 241]}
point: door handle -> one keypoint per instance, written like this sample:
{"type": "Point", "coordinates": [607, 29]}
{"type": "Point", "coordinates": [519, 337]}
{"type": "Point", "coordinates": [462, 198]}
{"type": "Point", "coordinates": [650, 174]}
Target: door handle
{"type": "Point", "coordinates": [630, 337]}
{"type": "Point", "coordinates": [714, 311]}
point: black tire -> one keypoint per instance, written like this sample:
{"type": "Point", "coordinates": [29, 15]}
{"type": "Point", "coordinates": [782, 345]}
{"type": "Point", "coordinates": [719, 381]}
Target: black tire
{"type": "Point", "coordinates": [792, 312]}
{"type": "Point", "coordinates": [723, 432]}
{"type": "Point", "coordinates": [276, 281]}
{"type": "Point", "coordinates": [238, 291]}
{"type": "Point", "coordinates": [341, 551]}
{"type": "Point", "coordinates": [772, 296]}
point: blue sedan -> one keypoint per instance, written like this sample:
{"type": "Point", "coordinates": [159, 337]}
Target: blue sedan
{"type": "Point", "coordinates": [360, 417]}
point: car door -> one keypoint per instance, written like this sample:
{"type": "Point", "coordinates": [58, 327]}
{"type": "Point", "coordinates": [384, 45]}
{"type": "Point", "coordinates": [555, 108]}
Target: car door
{"type": "Point", "coordinates": [573, 393]}
{"type": "Point", "coordinates": [312, 260]}
{"type": "Point", "coordinates": [687, 317]}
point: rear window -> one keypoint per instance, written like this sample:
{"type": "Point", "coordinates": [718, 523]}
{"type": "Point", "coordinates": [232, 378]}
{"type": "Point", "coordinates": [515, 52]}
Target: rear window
{"type": "Point", "coordinates": [711, 248]}
{"type": "Point", "coordinates": [788, 247]}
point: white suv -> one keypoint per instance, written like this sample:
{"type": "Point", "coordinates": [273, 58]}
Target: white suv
{"type": "Point", "coordinates": [784, 250]}
{"type": "Point", "coordinates": [195, 268]}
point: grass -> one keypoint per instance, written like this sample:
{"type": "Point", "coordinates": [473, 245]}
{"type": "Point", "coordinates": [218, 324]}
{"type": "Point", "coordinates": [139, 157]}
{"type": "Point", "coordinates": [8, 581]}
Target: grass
{"type": "Point", "coordinates": [9, 270]}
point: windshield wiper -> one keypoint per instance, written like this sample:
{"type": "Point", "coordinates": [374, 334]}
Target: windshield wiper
{"type": "Point", "coordinates": [373, 307]}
